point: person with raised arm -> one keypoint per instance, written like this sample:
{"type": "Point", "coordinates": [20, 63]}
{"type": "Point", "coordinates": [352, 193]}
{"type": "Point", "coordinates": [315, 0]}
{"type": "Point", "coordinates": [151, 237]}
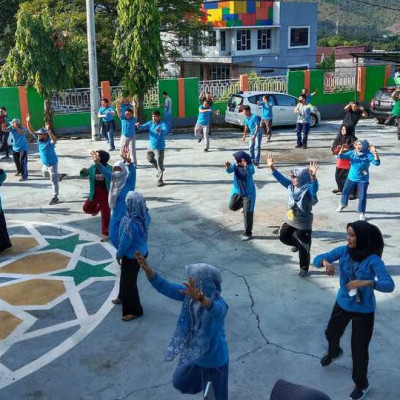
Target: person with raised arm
{"type": "Point", "coordinates": [199, 338]}
{"type": "Point", "coordinates": [296, 229]}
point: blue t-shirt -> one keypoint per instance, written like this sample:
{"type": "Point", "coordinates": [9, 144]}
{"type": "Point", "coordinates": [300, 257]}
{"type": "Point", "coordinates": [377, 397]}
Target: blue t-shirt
{"type": "Point", "coordinates": [157, 133]}
{"type": "Point", "coordinates": [20, 143]}
{"type": "Point", "coordinates": [359, 165]}
{"type": "Point", "coordinates": [204, 118]}
{"type": "Point", "coordinates": [107, 112]}
{"type": "Point", "coordinates": [267, 109]}
{"type": "Point", "coordinates": [47, 151]}
{"type": "Point", "coordinates": [124, 107]}
{"type": "Point", "coordinates": [128, 128]}
{"type": "Point", "coordinates": [252, 122]}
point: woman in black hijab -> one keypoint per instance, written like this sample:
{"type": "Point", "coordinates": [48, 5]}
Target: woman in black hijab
{"type": "Point", "coordinates": [362, 271]}
{"type": "Point", "coordinates": [344, 138]}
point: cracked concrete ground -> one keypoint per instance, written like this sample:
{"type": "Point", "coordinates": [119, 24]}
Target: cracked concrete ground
{"type": "Point", "coordinates": [276, 321]}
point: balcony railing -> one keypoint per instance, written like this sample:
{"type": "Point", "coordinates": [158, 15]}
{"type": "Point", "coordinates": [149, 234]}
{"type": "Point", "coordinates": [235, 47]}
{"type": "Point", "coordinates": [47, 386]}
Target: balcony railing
{"type": "Point", "coordinates": [268, 84]}
{"type": "Point", "coordinates": [339, 81]}
{"type": "Point", "coordinates": [220, 89]}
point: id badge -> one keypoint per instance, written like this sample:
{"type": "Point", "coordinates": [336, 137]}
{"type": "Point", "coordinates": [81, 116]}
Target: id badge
{"type": "Point", "coordinates": [289, 214]}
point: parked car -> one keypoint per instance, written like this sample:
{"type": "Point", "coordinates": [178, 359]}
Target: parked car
{"type": "Point", "coordinates": [382, 104]}
{"type": "Point", "coordinates": [284, 105]}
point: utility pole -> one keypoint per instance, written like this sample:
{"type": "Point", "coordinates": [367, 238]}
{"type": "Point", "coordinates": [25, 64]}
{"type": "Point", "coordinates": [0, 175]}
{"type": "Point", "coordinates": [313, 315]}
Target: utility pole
{"type": "Point", "coordinates": [93, 77]}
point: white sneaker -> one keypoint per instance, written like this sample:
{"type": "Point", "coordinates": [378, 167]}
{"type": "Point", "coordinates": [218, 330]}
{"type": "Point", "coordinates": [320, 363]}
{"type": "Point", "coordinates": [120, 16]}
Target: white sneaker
{"type": "Point", "coordinates": [362, 217]}
{"type": "Point", "coordinates": [340, 208]}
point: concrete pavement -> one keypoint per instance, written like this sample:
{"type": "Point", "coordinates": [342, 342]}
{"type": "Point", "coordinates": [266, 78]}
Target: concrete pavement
{"type": "Point", "coordinates": [276, 321]}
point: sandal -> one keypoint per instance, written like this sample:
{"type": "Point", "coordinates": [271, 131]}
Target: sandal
{"type": "Point", "coordinates": [116, 301]}
{"type": "Point", "coordinates": [129, 317]}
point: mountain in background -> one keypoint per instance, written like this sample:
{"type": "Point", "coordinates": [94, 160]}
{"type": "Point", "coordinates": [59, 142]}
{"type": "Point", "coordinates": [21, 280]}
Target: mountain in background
{"type": "Point", "coordinates": [357, 20]}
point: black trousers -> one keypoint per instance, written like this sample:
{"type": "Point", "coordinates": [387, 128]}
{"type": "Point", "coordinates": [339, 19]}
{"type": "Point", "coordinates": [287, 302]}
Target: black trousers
{"type": "Point", "coordinates": [128, 290]}
{"type": "Point", "coordinates": [341, 176]}
{"type": "Point", "coordinates": [4, 143]}
{"type": "Point", "coordinates": [236, 203]}
{"type": "Point", "coordinates": [297, 238]}
{"type": "Point", "coordinates": [5, 242]}
{"type": "Point", "coordinates": [362, 328]}
{"type": "Point", "coordinates": [21, 162]}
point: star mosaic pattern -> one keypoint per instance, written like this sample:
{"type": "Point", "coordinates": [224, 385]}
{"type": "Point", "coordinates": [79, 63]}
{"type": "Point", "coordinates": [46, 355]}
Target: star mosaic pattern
{"type": "Point", "coordinates": [56, 286]}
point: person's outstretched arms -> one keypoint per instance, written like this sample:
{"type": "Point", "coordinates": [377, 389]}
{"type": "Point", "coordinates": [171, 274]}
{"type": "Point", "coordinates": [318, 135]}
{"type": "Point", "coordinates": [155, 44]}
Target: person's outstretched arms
{"type": "Point", "coordinates": [229, 167]}
{"type": "Point", "coordinates": [163, 286]}
{"type": "Point", "coordinates": [277, 175]}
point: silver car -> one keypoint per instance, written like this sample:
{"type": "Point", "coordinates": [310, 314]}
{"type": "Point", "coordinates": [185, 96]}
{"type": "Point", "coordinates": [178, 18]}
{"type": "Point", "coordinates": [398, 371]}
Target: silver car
{"type": "Point", "coordinates": [283, 110]}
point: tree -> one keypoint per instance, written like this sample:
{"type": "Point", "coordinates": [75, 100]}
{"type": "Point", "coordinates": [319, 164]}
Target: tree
{"type": "Point", "coordinates": [328, 64]}
{"type": "Point", "coordinates": [138, 49]}
{"type": "Point", "coordinates": [43, 57]}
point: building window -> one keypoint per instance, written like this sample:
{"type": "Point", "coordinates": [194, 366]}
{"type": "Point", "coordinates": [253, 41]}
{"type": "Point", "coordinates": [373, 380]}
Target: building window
{"type": "Point", "coordinates": [196, 45]}
{"type": "Point", "coordinates": [212, 39]}
{"type": "Point", "coordinates": [299, 36]}
{"type": "Point", "coordinates": [220, 72]}
{"type": "Point", "coordinates": [298, 67]}
{"type": "Point", "coordinates": [183, 42]}
{"type": "Point", "coordinates": [243, 39]}
{"type": "Point", "coordinates": [223, 40]}
{"type": "Point", "coordinates": [264, 39]}
{"type": "Point", "coordinates": [267, 71]}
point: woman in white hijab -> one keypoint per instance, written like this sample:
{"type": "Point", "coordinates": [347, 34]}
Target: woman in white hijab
{"type": "Point", "coordinates": [123, 180]}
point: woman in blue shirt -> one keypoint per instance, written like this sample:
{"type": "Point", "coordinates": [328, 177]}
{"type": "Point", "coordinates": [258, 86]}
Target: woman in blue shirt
{"type": "Point", "coordinates": [20, 148]}
{"type": "Point", "coordinates": [199, 336]}
{"type": "Point", "coordinates": [132, 237]}
{"type": "Point", "coordinates": [243, 194]}
{"type": "Point", "coordinates": [361, 272]}
{"type": "Point", "coordinates": [360, 159]}
{"type": "Point", "coordinates": [296, 229]}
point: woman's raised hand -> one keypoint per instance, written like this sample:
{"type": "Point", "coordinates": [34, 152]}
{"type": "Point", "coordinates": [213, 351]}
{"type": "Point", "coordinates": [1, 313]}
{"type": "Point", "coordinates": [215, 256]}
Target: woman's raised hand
{"type": "Point", "coordinates": [191, 290]}
{"type": "Point", "coordinates": [227, 165]}
{"type": "Point", "coordinates": [372, 148]}
{"type": "Point", "coordinates": [95, 157]}
{"type": "Point", "coordinates": [270, 160]}
{"type": "Point", "coordinates": [313, 168]}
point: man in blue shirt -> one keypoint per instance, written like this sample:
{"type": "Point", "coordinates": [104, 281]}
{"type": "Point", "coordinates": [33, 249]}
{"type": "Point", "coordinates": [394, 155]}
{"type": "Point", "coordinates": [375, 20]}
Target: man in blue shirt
{"type": "Point", "coordinates": [46, 141]}
{"type": "Point", "coordinates": [20, 148]}
{"type": "Point", "coordinates": [252, 125]}
{"type": "Point", "coordinates": [167, 110]}
{"type": "Point", "coordinates": [308, 96]}
{"type": "Point", "coordinates": [128, 134]}
{"type": "Point", "coordinates": [106, 112]}
{"type": "Point", "coordinates": [267, 115]}
{"type": "Point", "coordinates": [202, 128]}
{"type": "Point", "coordinates": [303, 122]}
{"type": "Point", "coordinates": [158, 129]}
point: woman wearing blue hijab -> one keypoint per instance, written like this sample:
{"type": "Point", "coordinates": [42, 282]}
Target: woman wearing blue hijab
{"type": "Point", "coordinates": [360, 159]}
{"type": "Point", "coordinates": [302, 196]}
{"type": "Point", "coordinates": [199, 338]}
{"type": "Point", "coordinates": [243, 194]}
{"type": "Point", "coordinates": [132, 237]}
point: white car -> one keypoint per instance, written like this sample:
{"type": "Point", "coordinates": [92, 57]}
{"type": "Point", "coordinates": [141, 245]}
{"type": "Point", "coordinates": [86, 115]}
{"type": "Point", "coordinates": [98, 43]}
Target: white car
{"type": "Point", "coordinates": [283, 110]}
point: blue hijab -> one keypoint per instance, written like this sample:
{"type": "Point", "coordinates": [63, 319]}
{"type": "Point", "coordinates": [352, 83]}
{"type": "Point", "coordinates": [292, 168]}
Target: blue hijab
{"type": "Point", "coordinates": [137, 213]}
{"type": "Point", "coordinates": [191, 338]}
{"type": "Point", "coordinates": [298, 193]}
{"type": "Point", "coordinates": [240, 172]}
{"type": "Point", "coordinates": [365, 148]}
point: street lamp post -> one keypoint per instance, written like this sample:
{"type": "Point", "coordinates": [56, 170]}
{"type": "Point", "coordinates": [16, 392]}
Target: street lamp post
{"type": "Point", "coordinates": [93, 77]}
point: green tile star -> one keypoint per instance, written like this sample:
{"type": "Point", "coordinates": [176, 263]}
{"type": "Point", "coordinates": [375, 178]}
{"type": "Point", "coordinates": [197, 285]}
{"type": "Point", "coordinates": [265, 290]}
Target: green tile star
{"type": "Point", "coordinates": [84, 271]}
{"type": "Point", "coordinates": [67, 244]}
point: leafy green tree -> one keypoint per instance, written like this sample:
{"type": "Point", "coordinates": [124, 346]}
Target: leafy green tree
{"type": "Point", "coordinates": [328, 64]}
{"type": "Point", "coordinates": [43, 56]}
{"type": "Point", "coordinates": [137, 46]}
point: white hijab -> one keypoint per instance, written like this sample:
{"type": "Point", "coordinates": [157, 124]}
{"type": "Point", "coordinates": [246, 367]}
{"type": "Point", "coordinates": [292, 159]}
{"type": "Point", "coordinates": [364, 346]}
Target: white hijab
{"type": "Point", "coordinates": [118, 181]}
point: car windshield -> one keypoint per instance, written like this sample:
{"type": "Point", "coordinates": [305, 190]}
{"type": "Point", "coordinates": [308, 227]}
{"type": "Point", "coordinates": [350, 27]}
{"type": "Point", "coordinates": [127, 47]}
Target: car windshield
{"type": "Point", "coordinates": [385, 94]}
{"type": "Point", "coordinates": [235, 101]}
